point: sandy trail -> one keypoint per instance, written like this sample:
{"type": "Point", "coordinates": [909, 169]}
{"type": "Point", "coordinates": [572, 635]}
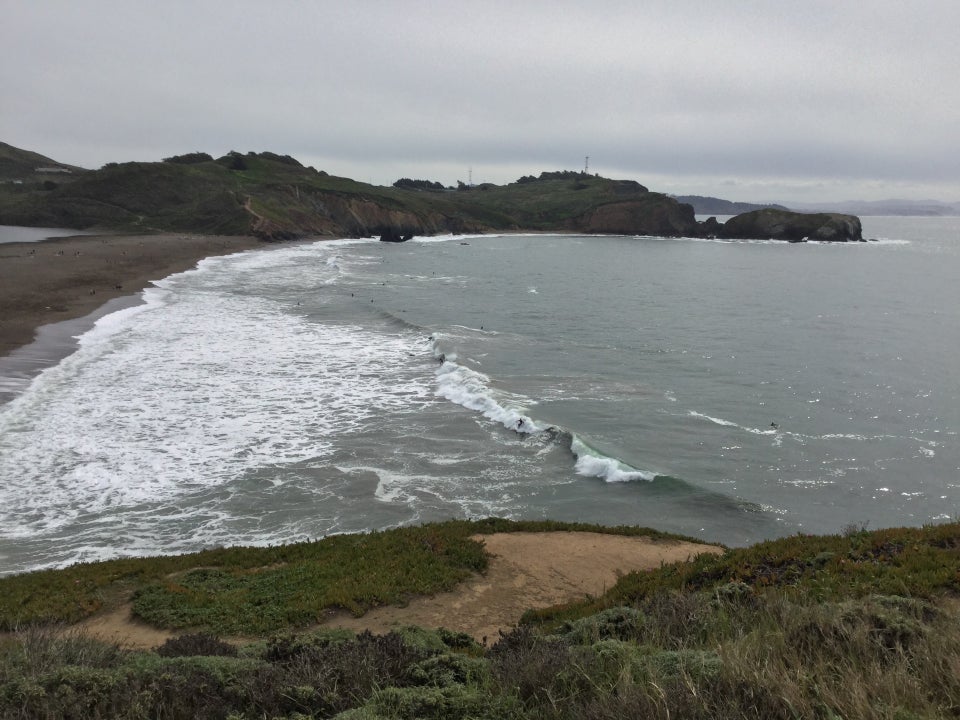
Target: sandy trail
{"type": "Point", "coordinates": [526, 570]}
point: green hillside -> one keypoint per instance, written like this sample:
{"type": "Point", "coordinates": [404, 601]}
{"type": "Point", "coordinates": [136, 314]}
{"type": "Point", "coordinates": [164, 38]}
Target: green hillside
{"type": "Point", "coordinates": [276, 197]}
{"type": "Point", "coordinates": [22, 166]}
{"type": "Point", "coordinates": [856, 625]}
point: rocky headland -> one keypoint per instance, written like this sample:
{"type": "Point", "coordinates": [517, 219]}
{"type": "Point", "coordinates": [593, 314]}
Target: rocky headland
{"type": "Point", "coordinates": [275, 197]}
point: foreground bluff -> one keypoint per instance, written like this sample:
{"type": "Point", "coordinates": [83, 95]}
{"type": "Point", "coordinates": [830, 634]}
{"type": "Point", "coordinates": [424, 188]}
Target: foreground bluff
{"type": "Point", "coordinates": [771, 224]}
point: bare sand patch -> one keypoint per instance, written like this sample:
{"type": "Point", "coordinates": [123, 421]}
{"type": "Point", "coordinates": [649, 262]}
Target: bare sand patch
{"type": "Point", "coordinates": [526, 570]}
{"type": "Point", "coordinates": [120, 627]}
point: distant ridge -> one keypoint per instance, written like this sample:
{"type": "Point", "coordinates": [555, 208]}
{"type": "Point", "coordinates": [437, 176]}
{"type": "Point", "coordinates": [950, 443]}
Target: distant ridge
{"type": "Point", "coordinates": [929, 208]}
{"type": "Point", "coordinates": [717, 206]}
{"type": "Point", "coordinates": [704, 205]}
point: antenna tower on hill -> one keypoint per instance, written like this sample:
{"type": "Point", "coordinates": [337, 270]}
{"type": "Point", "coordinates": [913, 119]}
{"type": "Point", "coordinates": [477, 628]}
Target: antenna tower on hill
{"type": "Point", "coordinates": [586, 165]}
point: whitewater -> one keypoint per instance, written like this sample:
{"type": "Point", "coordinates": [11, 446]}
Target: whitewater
{"type": "Point", "coordinates": [732, 391]}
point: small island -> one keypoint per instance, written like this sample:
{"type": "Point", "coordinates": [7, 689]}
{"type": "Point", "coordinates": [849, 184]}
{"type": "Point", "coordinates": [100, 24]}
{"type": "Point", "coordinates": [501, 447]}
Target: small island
{"type": "Point", "coordinates": [776, 224]}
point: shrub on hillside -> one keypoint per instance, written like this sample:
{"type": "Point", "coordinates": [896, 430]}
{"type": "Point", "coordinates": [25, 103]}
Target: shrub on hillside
{"type": "Point", "coordinates": [197, 644]}
{"type": "Point", "coordinates": [189, 158]}
{"type": "Point", "coordinates": [409, 184]}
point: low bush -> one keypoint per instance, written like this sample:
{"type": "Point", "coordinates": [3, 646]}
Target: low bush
{"type": "Point", "coordinates": [196, 644]}
{"type": "Point", "coordinates": [726, 644]}
{"type": "Point", "coordinates": [619, 623]}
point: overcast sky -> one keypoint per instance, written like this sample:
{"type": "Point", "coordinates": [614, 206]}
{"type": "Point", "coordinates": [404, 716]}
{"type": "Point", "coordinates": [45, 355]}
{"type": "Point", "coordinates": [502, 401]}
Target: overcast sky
{"type": "Point", "coordinates": [757, 100]}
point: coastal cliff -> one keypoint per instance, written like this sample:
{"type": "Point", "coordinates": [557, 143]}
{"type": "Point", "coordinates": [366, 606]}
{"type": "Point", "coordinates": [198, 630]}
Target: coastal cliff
{"type": "Point", "coordinates": [275, 197]}
{"type": "Point", "coordinates": [646, 216]}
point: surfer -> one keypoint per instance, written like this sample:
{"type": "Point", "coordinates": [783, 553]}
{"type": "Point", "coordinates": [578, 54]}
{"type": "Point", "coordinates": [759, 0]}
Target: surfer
{"type": "Point", "coordinates": [774, 425]}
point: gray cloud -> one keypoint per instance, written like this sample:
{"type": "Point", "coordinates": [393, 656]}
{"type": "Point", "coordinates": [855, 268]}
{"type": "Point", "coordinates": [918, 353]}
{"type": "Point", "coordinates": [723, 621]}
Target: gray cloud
{"type": "Point", "coordinates": [786, 101]}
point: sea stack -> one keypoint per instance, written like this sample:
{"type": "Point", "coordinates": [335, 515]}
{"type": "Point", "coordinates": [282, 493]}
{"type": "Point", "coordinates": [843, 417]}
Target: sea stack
{"type": "Point", "coordinates": [772, 224]}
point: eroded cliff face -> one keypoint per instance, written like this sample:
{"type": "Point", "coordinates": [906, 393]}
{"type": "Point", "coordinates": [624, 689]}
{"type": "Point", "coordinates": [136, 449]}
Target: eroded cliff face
{"type": "Point", "coordinates": [770, 224]}
{"type": "Point", "coordinates": [329, 214]}
{"type": "Point", "coordinates": [656, 215]}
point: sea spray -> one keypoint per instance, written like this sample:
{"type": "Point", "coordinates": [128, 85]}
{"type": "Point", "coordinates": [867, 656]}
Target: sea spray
{"type": "Point", "coordinates": [471, 389]}
{"type": "Point", "coordinates": [592, 463]}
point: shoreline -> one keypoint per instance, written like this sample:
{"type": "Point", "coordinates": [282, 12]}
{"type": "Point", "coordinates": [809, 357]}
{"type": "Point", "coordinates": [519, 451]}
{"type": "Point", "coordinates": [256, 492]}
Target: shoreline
{"type": "Point", "coordinates": [70, 277]}
{"type": "Point", "coordinates": [55, 289]}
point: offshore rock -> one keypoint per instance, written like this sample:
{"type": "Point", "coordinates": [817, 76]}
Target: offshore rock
{"type": "Point", "coordinates": [711, 228]}
{"type": "Point", "coordinates": [394, 235]}
{"type": "Point", "coordinates": [772, 224]}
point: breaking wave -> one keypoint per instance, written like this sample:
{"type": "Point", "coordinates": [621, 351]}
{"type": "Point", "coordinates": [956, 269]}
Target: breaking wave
{"type": "Point", "coordinates": [471, 389]}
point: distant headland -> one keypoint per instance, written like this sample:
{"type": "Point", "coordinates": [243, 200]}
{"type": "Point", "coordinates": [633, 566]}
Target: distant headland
{"type": "Point", "coordinates": [275, 197]}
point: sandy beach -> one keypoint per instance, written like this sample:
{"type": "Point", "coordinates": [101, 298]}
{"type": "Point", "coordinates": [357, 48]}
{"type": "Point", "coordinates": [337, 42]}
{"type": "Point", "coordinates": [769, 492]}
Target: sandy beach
{"type": "Point", "coordinates": [67, 278]}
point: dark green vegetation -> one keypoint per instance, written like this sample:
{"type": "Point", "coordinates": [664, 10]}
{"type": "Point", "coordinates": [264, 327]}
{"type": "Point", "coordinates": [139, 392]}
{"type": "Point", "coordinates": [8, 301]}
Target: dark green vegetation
{"type": "Point", "coordinates": [30, 168]}
{"type": "Point", "coordinates": [276, 197]}
{"type": "Point", "coordinates": [915, 562]}
{"type": "Point", "coordinates": [859, 625]}
{"type": "Point", "coordinates": [261, 590]}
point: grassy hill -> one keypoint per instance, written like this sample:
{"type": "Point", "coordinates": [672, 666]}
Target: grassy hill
{"type": "Point", "coordinates": [856, 625]}
{"type": "Point", "coordinates": [276, 197]}
{"type": "Point", "coordinates": [22, 166]}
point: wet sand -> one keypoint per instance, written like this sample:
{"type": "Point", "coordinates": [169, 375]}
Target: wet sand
{"type": "Point", "coordinates": [72, 277]}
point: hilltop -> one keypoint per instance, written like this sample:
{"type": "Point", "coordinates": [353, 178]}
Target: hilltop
{"type": "Point", "coordinates": [19, 167]}
{"type": "Point", "coordinates": [276, 197]}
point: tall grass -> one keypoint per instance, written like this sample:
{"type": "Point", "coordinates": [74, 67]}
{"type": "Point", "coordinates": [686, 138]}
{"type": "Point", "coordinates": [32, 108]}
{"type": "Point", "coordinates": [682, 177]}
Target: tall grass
{"type": "Point", "coordinates": [825, 645]}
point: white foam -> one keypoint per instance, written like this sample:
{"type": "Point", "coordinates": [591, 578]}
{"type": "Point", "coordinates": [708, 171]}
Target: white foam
{"type": "Point", "coordinates": [591, 463]}
{"type": "Point", "coordinates": [196, 388]}
{"type": "Point", "coordinates": [730, 423]}
{"type": "Point", "coordinates": [471, 389]}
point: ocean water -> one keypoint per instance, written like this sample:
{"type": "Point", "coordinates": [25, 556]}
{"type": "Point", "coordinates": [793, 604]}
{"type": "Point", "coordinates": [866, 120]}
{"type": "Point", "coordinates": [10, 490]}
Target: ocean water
{"type": "Point", "coordinates": [733, 391]}
{"type": "Point", "coordinates": [16, 233]}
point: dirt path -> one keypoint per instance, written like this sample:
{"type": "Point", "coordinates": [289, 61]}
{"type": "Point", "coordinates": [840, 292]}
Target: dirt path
{"type": "Point", "coordinates": [527, 570]}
